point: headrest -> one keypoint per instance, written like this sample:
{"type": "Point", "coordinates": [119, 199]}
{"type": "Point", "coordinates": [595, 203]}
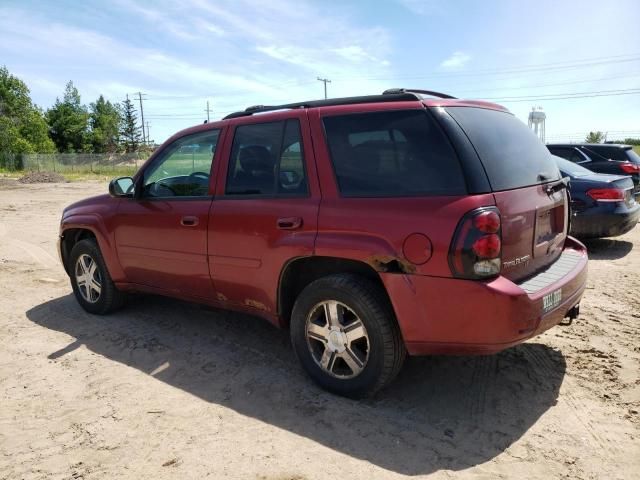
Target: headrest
{"type": "Point", "coordinates": [256, 158]}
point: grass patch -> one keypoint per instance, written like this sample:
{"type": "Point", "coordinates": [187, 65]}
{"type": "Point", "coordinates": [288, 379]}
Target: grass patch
{"type": "Point", "coordinates": [99, 174]}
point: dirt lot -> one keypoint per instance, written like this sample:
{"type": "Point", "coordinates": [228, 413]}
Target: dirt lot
{"type": "Point", "coordinates": [165, 389]}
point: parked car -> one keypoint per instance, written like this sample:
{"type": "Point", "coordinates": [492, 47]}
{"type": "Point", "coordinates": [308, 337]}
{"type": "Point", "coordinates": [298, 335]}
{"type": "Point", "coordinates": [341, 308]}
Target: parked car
{"type": "Point", "coordinates": [601, 205]}
{"type": "Point", "coordinates": [602, 158]}
{"type": "Point", "coordinates": [370, 226]}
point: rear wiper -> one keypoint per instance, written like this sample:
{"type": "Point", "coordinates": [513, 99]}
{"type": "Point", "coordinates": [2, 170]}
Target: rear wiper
{"type": "Point", "coordinates": [552, 188]}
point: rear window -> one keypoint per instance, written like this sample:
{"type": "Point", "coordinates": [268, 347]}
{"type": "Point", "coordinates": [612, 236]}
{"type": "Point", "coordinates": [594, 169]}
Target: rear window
{"type": "Point", "coordinates": [571, 169]}
{"type": "Point", "coordinates": [633, 156]}
{"type": "Point", "coordinates": [512, 155]}
{"type": "Point", "coordinates": [612, 153]}
{"type": "Point", "coordinates": [396, 153]}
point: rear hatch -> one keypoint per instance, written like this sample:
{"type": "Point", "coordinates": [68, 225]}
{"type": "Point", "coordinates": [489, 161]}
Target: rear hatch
{"type": "Point", "coordinates": [527, 186]}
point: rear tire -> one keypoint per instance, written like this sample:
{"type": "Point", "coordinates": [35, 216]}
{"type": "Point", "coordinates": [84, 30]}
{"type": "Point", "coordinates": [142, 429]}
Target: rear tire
{"type": "Point", "coordinates": [92, 286]}
{"type": "Point", "coordinates": [345, 335]}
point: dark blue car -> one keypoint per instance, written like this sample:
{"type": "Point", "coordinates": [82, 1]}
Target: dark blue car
{"type": "Point", "coordinates": [601, 205]}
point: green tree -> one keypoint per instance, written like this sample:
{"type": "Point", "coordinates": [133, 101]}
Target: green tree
{"type": "Point", "coordinates": [104, 120]}
{"type": "Point", "coordinates": [22, 126]}
{"type": "Point", "coordinates": [69, 122]}
{"type": "Point", "coordinates": [594, 137]}
{"type": "Point", "coordinates": [129, 130]}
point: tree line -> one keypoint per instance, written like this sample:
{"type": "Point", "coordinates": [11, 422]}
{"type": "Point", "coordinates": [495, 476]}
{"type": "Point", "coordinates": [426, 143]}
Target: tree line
{"type": "Point", "coordinates": [68, 126]}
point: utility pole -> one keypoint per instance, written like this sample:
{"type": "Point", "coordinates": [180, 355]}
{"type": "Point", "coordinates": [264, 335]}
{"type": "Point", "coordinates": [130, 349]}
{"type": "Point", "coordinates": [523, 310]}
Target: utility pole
{"type": "Point", "coordinates": [148, 134]}
{"type": "Point", "coordinates": [325, 81]}
{"type": "Point", "coordinates": [207, 110]}
{"type": "Point", "coordinates": [144, 137]}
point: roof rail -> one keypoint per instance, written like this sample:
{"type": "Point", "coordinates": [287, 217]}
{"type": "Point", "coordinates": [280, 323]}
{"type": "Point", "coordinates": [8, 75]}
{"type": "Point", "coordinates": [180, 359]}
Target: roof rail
{"type": "Point", "coordinates": [396, 91]}
{"type": "Point", "coordinates": [386, 97]}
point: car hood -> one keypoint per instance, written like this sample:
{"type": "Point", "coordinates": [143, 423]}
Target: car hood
{"type": "Point", "coordinates": [88, 205]}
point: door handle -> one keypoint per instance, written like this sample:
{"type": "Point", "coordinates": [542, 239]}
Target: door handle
{"type": "Point", "coordinates": [289, 223]}
{"type": "Point", "coordinates": [189, 221]}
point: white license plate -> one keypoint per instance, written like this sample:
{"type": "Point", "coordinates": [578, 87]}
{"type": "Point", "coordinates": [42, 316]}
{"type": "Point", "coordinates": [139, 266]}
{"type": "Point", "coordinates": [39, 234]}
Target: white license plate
{"type": "Point", "coordinates": [551, 300]}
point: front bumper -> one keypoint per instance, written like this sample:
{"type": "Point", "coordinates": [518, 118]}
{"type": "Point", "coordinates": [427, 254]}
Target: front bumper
{"type": "Point", "coordinates": [453, 316]}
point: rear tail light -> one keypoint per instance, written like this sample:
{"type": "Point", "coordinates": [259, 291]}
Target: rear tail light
{"type": "Point", "coordinates": [477, 245]}
{"type": "Point", "coordinates": [628, 167]}
{"type": "Point", "coordinates": [606, 194]}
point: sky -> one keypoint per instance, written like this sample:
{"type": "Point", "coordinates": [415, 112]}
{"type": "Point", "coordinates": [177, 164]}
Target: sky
{"type": "Point", "coordinates": [238, 53]}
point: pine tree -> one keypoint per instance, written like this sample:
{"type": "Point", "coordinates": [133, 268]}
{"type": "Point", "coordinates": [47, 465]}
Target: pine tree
{"type": "Point", "coordinates": [104, 119]}
{"type": "Point", "coordinates": [129, 130]}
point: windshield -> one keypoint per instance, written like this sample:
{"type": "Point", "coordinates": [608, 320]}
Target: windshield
{"type": "Point", "coordinates": [512, 155]}
{"type": "Point", "coordinates": [571, 169]}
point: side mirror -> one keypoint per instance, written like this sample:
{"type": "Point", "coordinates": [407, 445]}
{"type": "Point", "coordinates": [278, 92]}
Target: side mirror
{"type": "Point", "coordinates": [121, 187]}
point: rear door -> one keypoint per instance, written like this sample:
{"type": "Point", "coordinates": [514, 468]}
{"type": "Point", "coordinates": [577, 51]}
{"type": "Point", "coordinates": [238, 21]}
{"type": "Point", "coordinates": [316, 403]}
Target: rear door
{"type": "Point", "coordinates": [266, 209]}
{"type": "Point", "coordinates": [526, 185]}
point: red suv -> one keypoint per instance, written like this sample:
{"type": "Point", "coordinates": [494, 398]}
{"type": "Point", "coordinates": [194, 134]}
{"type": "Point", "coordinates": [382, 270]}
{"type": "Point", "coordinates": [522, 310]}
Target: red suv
{"type": "Point", "coordinates": [370, 226]}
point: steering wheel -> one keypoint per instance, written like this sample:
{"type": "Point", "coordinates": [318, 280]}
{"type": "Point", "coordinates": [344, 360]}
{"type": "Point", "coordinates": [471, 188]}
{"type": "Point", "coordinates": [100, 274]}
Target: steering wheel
{"type": "Point", "coordinates": [154, 187]}
{"type": "Point", "coordinates": [200, 174]}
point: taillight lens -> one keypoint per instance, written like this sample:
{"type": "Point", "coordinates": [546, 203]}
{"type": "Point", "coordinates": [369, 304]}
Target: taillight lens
{"type": "Point", "coordinates": [487, 222]}
{"type": "Point", "coordinates": [477, 245]}
{"type": "Point", "coordinates": [628, 167]}
{"type": "Point", "coordinates": [606, 194]}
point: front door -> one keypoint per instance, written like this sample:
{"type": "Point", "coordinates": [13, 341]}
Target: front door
{"type": "Point", "coordinates": [265, 212]}
{"type": "Point", "coordinates": [161, 236]}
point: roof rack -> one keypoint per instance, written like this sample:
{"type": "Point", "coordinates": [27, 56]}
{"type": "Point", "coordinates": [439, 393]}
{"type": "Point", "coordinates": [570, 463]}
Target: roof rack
{"type": "Point", "coordinates": [431, 93]}
{"type": "Point", "coordinates": [393, 95]}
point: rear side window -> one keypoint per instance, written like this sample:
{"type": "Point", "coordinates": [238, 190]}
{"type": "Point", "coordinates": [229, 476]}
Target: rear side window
{"type": "Point", "coordinates": [398, 153]}
{"type": "Point", "coordinates": [512, 155]}
{"type": "Point", "coordinates": [612, 153]}
{"type": "Point", "coordinates": [267, 159]}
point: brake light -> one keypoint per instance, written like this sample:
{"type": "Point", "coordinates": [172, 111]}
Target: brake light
{"type": "Point", "coordinates": [487, 222]}
{"type": "Point", "coordinates": [628, 167]}
{"type": "Point", "coordinates": [477, 245]}
{"type": "Point", "coordinates": [606, 194]}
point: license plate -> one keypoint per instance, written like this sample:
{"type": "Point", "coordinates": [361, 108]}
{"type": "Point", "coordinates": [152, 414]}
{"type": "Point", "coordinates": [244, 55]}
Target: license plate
{"type": "Point", "coordinates": [551, 300]}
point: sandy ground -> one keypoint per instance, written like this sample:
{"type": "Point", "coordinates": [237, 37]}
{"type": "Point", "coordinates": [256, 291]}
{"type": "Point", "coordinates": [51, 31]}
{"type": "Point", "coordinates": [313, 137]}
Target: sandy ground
{"type": "Point", "coordinates": [166, 389]}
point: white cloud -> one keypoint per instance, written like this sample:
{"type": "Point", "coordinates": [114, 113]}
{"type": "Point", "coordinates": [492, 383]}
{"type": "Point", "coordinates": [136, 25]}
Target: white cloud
{"type": "Point", "coordinates": [455, 61]}
{"type": "Point", "coordinates": [196, 51]}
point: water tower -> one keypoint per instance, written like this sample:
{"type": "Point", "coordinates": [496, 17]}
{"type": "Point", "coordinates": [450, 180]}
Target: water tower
{"type": "Point", "coordinates": [536, 121]}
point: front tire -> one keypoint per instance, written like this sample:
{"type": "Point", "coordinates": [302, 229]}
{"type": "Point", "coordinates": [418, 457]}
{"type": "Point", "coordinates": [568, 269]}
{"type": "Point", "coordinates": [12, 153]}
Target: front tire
{"type": "Point", "coordinates": [90, 280]}
{"type": "Point", "coordinates": [345, 335]}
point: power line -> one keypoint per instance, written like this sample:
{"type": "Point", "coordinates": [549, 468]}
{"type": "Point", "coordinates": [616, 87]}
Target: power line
{"type": "Point", "coordinates": [508, 71]}
{"type": "Point", "coordinates": [475, 91]}
{"type": "Point", "coordinates": [566, 96]}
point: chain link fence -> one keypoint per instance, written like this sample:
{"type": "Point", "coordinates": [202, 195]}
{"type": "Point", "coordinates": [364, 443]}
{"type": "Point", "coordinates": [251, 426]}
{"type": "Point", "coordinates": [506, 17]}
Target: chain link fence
{"type": "Point", "coordinates": [74, 162]}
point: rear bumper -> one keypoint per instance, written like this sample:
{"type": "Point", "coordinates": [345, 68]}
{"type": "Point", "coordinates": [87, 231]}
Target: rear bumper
{"type": "Point", "coordinates": [452, 316]}
{"type": "Point", "coordinates": [596, 225]}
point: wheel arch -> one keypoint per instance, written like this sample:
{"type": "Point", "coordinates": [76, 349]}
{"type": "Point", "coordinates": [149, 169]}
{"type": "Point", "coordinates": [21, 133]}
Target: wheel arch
{"type": "Point", "coordinates": [81, 227]}
{"type": "Point", "coordinates": [300, 272]}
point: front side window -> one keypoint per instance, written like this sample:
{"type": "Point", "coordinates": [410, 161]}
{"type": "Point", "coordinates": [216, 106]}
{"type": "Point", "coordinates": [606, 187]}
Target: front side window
{"type": "Point", "coordinates": [183, 168]}
{"type": "Point", "coordinates": [267, 159]}
{"type": "Point", "coordinates": [394, 153]}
